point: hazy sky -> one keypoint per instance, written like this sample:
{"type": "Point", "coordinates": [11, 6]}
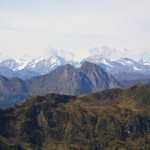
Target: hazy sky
{"type": "Point", "coordinates": [33, 27]}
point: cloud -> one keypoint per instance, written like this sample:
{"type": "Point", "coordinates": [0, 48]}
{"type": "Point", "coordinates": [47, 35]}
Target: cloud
{"type": "Point", "coordinates": [94, 51]}
{"type": "Point", "coordinates": [115, 54]}
{"type": "Point", "coordinates": [145, 55]}
{"type": "Point", "coordinates": [108, 52]}
{"type": "Point", "coordinates": [50, 51]}
{"type": "Point", "coordinates": [66, 54]}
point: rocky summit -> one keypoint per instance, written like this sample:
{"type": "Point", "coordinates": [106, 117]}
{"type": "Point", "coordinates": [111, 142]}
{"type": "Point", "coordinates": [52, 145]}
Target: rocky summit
{"type": "Point", "coordinates": [73, 81]}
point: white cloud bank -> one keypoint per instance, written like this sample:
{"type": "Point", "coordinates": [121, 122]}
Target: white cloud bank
{"type": "Point", "coordinates": [115, 54]}
{"type": "Point", "coordinates": [104, 51]}
{"type": "Point", "coordinates": [52, 52]}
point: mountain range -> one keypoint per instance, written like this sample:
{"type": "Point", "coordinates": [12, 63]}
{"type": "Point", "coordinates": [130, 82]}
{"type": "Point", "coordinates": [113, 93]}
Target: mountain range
{"type": "Point", "coordinates": [68, 117]}
{"type": "Point", "coordinates": [126, 65]}
{"type": "Point", "coordinates": [63, 80]}
{"type": "Point", "coordinates": [23, 78]}
{"type": "Point", "coordinates": [109, 120]}
{"type": "Point", "coordinates": [73, 81]}
{"type": "Point", "coordinates": [26, 69]}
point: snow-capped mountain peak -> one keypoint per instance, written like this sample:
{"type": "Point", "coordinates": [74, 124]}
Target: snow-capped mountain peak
{"type": "Point", "coordinates": [43, 65]}
{"type": "Point", "coordinates": [121, 65]}
{"type": "Point", "coordinates": [9, 63]}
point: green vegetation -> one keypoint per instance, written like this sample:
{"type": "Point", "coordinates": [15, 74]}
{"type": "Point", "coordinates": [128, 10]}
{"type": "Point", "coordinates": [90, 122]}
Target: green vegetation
{"type": "Point", "coordinates": [110, 120]}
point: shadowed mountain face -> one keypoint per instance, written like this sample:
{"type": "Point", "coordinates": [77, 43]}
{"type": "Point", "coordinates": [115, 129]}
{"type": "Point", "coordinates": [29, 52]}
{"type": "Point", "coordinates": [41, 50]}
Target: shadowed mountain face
{"type": "Point", "coordinates": [12, 85]}
{"type": "Point", "coordinates": [12, 91]}
{"type": "Point", "coordinates": [130, 83]}
{"type": "Point", "coordinates": [73, 81]}
{"type": "Point", "coordinates": [123, 76]}
{"type": "Point", "coordinates": [107, 120]}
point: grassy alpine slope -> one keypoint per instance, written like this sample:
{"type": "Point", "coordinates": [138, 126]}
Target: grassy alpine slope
{"type": "Point", "coordinates": [109, 120]}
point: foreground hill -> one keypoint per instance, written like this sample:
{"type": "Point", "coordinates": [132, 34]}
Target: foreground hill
{"type": "Point", "coordinates": [109, 120]}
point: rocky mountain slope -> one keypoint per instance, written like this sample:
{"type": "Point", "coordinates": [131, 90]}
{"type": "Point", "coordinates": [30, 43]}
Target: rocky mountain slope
{"type": "Point", "coordinates": [64, 80]}
{"type": "Point", "coordinates": [73, 81]}
{"type": "Point", "coordinates": [107, 120]}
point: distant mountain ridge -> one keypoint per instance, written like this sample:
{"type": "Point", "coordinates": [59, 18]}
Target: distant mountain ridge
{"type": "Point", "coordinates": [126, 65]}
{"type": "Point", "coordinates": [121, 76]}
{"type": "Point", "coordinates": [26, 69]}
{"type": "Point", "coordinates": [130, 83]}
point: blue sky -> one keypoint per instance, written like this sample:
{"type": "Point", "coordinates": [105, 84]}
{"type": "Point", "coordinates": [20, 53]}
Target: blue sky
{"type": "Point", "coordinates": [33, 26]}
